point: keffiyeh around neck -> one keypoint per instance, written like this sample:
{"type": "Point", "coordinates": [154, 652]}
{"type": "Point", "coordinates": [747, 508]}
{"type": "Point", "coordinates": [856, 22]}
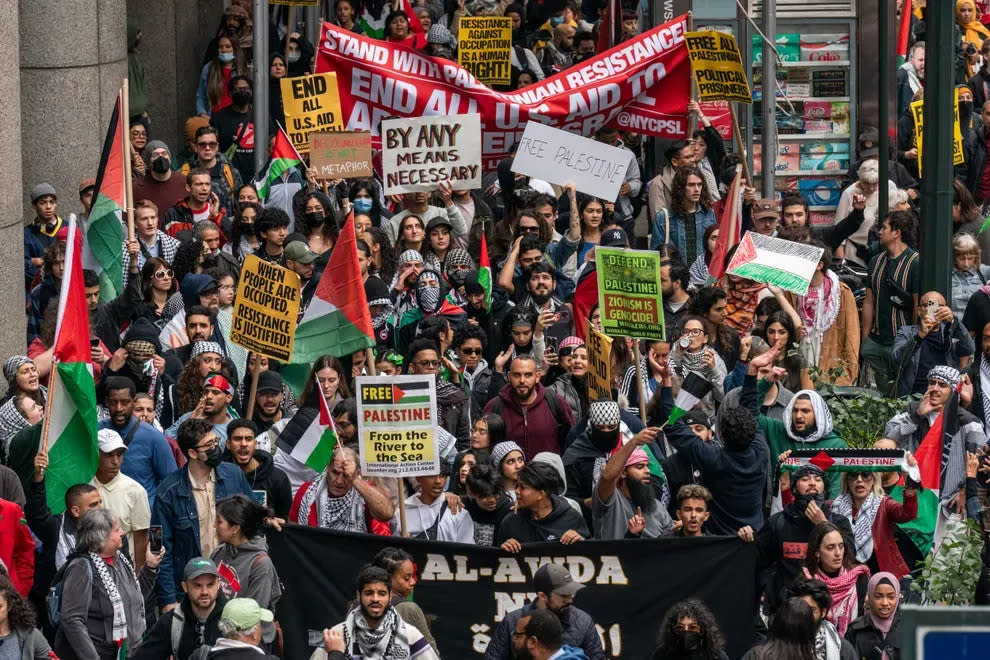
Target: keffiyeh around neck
{"type": "Point", "coordinates": [110, 586]}
{"type": "Point", "coordinates": [331, 512]}
{"type": "Point", "coordinates": [845, 606]}
{"type": "Point", "coordinates": [387, 641]}
{"type": "Point", "coordinates": [863, 524]}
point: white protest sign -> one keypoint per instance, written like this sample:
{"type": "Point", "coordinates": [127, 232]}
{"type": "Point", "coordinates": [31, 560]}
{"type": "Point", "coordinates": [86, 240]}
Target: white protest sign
{"type": "Point", "coordinates": [560, 157]}
{"type": "Point", "coordinates": [421, 152]}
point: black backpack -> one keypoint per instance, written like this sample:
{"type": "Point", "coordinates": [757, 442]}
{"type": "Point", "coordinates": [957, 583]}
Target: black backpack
{"type": "Point", "coordinates": [554, 403]}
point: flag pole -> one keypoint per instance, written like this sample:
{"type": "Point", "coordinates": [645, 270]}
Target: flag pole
{"type": "Point", "coordinates": [639, 381]}
{"type": "Point", "coordinates": [125, 110]}
{"type": "Point", "coordinates": [52, 384]}
{"type": "Point", "coordinates": [253, 390]}
{"type": "Point", "coordinates": [402, 507]}
{"type": "Point", "coordinates": [692, 119]}
{"type": "Point", "coordinates": [740, 144]}
{"type": "Point", "coordinates": [369, 361]}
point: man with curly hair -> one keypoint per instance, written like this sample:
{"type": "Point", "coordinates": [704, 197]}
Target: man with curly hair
{"type": "Point", "coordinates": [689, 630]}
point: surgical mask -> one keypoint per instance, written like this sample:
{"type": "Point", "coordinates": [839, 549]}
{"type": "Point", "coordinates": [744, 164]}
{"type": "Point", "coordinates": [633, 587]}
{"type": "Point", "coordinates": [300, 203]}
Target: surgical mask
{"type": "Point", "coordinates": [362, 204]}
{"type": "Point", "coordinates": [213, 457]}
{"type": "Point", "coordinates": [314, 219]}
{"type": "Point", "coordinates": [225, 57]}
{"type": "Point", "coordinates": [160, 165]}
{"type": "Point", "coordinates": [241, 97]}
{"type": "Point", "coordinates": [604, 441]}
{"type": "Point", "coordinates": [687, 640]}
{"type": "Point", "coordinates": [294, 57]}
{"type": "Point", "coordinates": [556, 20]}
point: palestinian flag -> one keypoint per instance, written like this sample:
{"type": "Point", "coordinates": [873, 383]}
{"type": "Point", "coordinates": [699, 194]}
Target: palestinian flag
{"type": "Point", "coordinates": [850, 460]}
{"type": "Point", "coordinates": [728, 229]}
{"type": "Point", "coordinates": [317, 443]}
{"type": "Point", "coordinates": [411, 393]}
{"type": "Point", "coordinates": [284, 158]}
{"type": "Point", "coordinates": [485, 271]}
{"type": "Point", "coordinates": [786, 264]}
{"type": "Point", "coordinates": [693, 389]}
{"type": "Point", "coordinates": [903, 33]}
{"type": "Point", "coordinates": [73, 453]}
{"type": "Point", "coordinates": [104, 230]}
{"type": "Point", "coordinates": [585, 297]}
{"type": "Point", "coordinates": [338, 320]}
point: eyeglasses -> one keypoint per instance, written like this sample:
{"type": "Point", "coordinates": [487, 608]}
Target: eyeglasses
{"type": "Point", "coordinates": [208, 145]}
{"type": "Point", "coordinates": [208, 447]}
{"type": "Point", "coordinates": [694, 332]}
{"type": "Point", "coordinates": [164, 275]}
{"type": "Point", "coordinates": [529, 230]}
{"type": "Point", "coordinates": [471, 351]}
{"type": "Point", "coordinates": [428, 364]}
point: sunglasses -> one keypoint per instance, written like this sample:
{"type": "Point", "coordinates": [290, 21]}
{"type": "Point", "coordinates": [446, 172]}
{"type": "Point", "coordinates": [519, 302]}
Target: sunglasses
{"type": "Point", "coordinates": [529, 230]}
{"type": "Point", "coordinates": [208, 145]}
{"type": "Point", "coordinates": [471, 351]}
{"type": "Point", "coordinates": [164, 275]}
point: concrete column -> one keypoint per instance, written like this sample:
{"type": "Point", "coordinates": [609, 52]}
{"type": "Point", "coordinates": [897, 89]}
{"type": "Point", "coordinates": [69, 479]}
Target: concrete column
{"type": "Point", "coordinates": [11, 206]}
{"type": "Point", "coordinates": [73, 61]}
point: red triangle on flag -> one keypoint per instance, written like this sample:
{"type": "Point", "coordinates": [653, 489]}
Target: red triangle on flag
{"type": "Point", "coordinates": [397, 394]}
{"type": "Point", "coordinates": [929, 456]}
{"type": "Point", "coordinates": [341, 282]}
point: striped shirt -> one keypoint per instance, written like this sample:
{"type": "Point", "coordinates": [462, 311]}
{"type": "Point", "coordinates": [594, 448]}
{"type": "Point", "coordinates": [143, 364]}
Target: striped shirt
{"type": "Point", "coordinates": [887, 275]}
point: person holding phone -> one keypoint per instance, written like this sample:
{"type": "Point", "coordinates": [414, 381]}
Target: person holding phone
{"type": "Point", "coordinates": [937, 339]}
{"type": "Point", "coordinates": [124, 496]}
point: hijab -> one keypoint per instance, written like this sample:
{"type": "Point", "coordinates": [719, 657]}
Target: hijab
{"type": "Point", "coordinates": [883, 625]}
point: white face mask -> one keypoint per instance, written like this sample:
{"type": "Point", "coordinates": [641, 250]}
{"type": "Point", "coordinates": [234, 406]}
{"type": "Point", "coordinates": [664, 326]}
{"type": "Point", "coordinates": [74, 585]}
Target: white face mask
{"type": "Point", "coordinates": [225, 57]}
{"type": "Point", "coordinates": [294, 57]}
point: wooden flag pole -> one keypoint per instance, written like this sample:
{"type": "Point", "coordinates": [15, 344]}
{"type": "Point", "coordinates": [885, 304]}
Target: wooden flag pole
{"type": "Point", "coordinates": [52, 384]}
{"type": "Point", "coordinates": [692, 118]}
{"type": "Point", "coordinates": [253, 390]}
{"type": "Point", "coordinates": [740, 145]}
{"type": "Point", "coordinates": [125, 108]}
{"type": "Point", "coordinates": [369, 361]}
{"type": "Point", "coordinates": [639, 381]}
{"type": "Point", "coordinates": [402, 507]}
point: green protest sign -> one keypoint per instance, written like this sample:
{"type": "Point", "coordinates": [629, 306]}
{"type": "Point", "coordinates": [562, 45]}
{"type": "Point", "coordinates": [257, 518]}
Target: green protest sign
{"type": "Point", "coordinates": [629, 293]}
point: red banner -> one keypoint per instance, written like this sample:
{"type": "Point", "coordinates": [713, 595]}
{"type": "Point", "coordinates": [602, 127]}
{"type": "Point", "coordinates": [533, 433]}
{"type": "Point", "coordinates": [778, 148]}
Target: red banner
{"type": "Point", "coordinates": [640, 85]}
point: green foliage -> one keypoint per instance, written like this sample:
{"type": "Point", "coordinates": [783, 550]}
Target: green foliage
{"type": "Point", "coordinates": [860, 420]}
{"type": "Point", "coordinates": [949, 576]}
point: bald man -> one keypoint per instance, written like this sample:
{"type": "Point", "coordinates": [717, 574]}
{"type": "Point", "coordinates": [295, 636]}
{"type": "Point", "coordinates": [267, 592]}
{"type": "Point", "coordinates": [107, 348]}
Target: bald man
{"type": "Point", "coordinates": [937, 340]}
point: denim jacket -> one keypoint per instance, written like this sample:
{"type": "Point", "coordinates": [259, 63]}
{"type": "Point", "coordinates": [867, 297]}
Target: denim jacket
{"type": "Point", "coordinates": [702, 220]}
{"type": "Point", "coordinates": [175, 511]}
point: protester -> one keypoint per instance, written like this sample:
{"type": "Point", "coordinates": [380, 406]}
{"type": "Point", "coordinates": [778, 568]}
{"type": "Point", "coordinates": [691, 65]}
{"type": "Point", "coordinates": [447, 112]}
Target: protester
{"type": "Point", "coordinates": [689, 631]}
{"type": "Point", "coordinates": [877, 628]}
{"type": "Point", "coordinates": [400, 566]}
{"type": "Point", "coordinates": [241, 625]}
{"type": "Point", "coordinates": [123, 496]}
{"type": "Point", "coordinates": [340, 499]}
{"type": "Point", "coordinates": [17, 626]}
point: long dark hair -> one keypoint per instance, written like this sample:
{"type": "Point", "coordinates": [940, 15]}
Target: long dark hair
{"type": "Point", "coordinates": [678, 188]}
{"type": "Point", "coordinates": [815, 539]}
{"type": "Point", "coordinates": [244, 512]}
{"type": "Point", "coordinates": [311, 391]}
{"type": "Point", "coordinates": [792, 633]}
{"type": "Point", "coordinates": [151, 266]}
{"type": "Point", "coordinates": [712, 640]}
{"type": "Point", "coordinates": [391, 559]}
{"type": "Point", "coordinates": [376, 208]}
{"type": "Point", "coordinates": [20, 615]}
{"type": "Point", "coordinates": [380, 237]}
{"type": "Point", "coordinates": [235, 232]}
{"type": "Point", "coordinates": [709, 230]}
{"type": "Point", "coordinates": [400, 242]}
{"type": "Point", "coordinates": [788, 358]}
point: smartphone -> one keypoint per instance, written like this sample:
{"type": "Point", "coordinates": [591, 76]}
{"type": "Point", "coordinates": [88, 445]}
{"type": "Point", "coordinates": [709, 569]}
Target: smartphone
{"type": "Point", "coordinates": [94, 343]}
{"type": "Point", "coordinates": [931, 307]}
{"type": "Point", "coordinates": [551, 344]}
{"type": "Point", "coordinates": [155, 538]}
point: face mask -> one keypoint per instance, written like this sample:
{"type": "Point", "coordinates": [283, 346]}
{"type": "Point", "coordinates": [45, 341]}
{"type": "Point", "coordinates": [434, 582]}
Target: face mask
{"type": "Point", "coordinates": [428, 298]}
{"type": "Point", "coordinates": [801, 502]}
{"type": "Point", "coordinates": [965, 110]}
{"type": "Point", "coordinates": [604, 441]}
{"type": "Point", "coordinates": [688, 640]}
{"type": "Point", "coordinates": [225, 57]}
{"type": "Point", "coordinates": [314, 219]}
{"type": "Point", "coordinates": [160, 165]}
{"type": "Point", "coordinates": [241, 97]}
{"type": "Point", "coordinates": [556, 20]}
{"type": "Point", "coordinates": [362, 204]}
{"type": "Point", "coordinates": [247, 228]}
{"type": "Point", "coordinates": [457, 277]}
{"type": "Point", "coordinates": [213, 457]}
{"type": "Point", "coordinates": [294, 57]}
{"type": "Point", "coordinates": [143, 367]}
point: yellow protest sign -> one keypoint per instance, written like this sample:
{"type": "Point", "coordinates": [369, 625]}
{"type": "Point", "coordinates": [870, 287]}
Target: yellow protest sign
{"type": "Point", "coordinates": [484, 47]}
{"type": "Point", "coordinates": [599, 363]}
{"type": "Point", "coordinates": [397, 426]}
{"type": "Point", "coordinates": [312, 104]}
{"type": "Point", "coordinates": [918, 113]}
{"type": "Point", "coordinates": [718, 67]}
{"type": "Point", "coordinates": [265, 309]}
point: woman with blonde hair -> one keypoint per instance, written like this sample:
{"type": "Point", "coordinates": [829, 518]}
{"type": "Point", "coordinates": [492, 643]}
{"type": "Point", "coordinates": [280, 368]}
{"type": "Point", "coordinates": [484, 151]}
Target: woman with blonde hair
{"type": "Point", "coordinates": [968, 274]}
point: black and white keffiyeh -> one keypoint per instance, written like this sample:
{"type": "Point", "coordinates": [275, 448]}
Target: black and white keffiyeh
{"type": "Point", "coordinates": [387, 640]}
{"type": "Point", "coordinates": [863, 525]}
{"type": "Point", "coordinates": [110, 586]}
{"type": "Point", "coordinates": [336, 513]}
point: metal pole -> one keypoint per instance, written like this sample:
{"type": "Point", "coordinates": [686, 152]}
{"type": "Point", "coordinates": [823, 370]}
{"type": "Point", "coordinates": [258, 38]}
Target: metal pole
{"type": "Point", "coordinates": [936, 186]}
{"type": "Point", "coordinates": [768, 125]}
{"type": "Point", "coordinates": [883, 9]}
{"type": "Point", "coordinates": [260, 84]}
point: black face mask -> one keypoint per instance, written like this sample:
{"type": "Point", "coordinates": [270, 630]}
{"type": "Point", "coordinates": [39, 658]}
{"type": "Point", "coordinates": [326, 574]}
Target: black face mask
{"type": "Point", "coordinates": [604, 441]}
{"type": "Point", "coordinates": [457, 278]}
{"type": "Point", "coordinates": [801, 502]}
{"type": "Point", "coordinates": [247, 228]}
{"type": "Point", "coordinates": [965, 110]}
{"type": "Point", "coordinates": [160, 165]}
{"type": "Point", "coordinates": [314, 219]}
{"type": "Point", "coordinates": [687, 640]}
{"type": "Point", "coordinates": [213, 457]}
{"type": "Point", "coordinates": [241, 98]}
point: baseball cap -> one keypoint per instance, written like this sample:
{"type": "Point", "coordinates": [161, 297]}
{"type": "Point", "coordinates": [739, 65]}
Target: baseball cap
{"type": "Point", "coordinates": [614, 237]}
{"type": "Point", "coordinates": [245, 613]}
{"type": "Point", "coordinates": [299, 251]}
{"type": "Point", "coordinates": [41, 190]}
{"type": "Point", "coordinates": [697, 417]}
{"type": "Point", "coordinates": [439, 221]}
{"type": "Point", "coordinates": [86, 183]}
{"type": "Point", "coordinates": [269, 381]}
{"type": "Point", "coordinates": [199, 566]}
{"type": "Point", "coordinates": [551, 578]}
{"type": "Point", "coordinates": [765, 208]}
{"type": "Point", "coordinates": [110, 441]}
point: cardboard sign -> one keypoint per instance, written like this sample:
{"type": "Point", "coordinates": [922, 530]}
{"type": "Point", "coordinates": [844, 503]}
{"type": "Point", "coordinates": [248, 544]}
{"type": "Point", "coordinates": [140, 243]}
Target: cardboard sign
{"type": "Point", "coordinates": [599, 362]}
{"type": "Point", "coordinates": [718, 67]}
{"type": "Point", "coordinates": [397, 426]}
{"type": "Point", "coordinates": [560, 157]}
{"type": "Point", "coordinates": [340, 155]}
{"type": "Point", "coordinates": [484, 47]}
{"type": "Point", "coordinates": [629, 293]}
{"type": "Point", "coordinates": [265, 309]}
{"type": "Point", "coordinates": [312, 104]}
{"type": "Point", "coordinates": [418, 153]}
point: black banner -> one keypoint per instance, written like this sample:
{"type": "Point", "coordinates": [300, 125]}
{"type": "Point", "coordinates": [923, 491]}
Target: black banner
{"type": "Point", "coordinates": [629, 585]}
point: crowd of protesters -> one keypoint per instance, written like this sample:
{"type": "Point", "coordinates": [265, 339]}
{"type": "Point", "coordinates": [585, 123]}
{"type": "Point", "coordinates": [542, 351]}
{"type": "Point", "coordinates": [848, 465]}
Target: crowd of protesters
{"type": "Point", "coordinates": [163, 553]}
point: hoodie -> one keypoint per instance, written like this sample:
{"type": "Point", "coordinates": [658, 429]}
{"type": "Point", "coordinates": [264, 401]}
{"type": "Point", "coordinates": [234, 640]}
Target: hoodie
{"type": "Point", "coordinates": [579, 636]}
{"type": "Point", "coordinates": [246, 571]}
{"type": "Point", "coordinates": [522, 527]}
{"type": "Point", "coordinates": [270, 479]}
{"type": "Point", "coordinates": [486, 522]}
{"type": "Point", "coordinates": [534, 427]}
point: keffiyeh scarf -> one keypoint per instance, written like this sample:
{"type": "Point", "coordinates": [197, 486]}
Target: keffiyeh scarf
{"type": "Point", "coordinates": [818, 310]}
{"type": "Point", "coordinates": [110, 586]}
{"type": "Point", "coordinates": [842, 588]}
{"type": "Point", "coordinates": [387, 641]}
{"type": "Point", "coordinates": [828, 646]}
{"type": "Point", "coordinates": [863, 524]}
{"type": "Point", "coordinates": [331, 512]}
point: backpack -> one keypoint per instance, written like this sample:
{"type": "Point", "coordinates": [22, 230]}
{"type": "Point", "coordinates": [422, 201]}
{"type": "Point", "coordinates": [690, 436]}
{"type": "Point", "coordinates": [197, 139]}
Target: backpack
{"type": "Point", "coordinates": [554, 403]}
{"type": "Point", "coordinates": [430, 533]}
{"type": "Point", "coordinates": [178, 622]}
{"type": "Point", "coordinates": [53, 601]}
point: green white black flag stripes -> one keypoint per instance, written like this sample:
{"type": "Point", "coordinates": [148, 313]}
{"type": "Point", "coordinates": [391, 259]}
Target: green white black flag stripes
{"type": "Point", "coordinates": [693, 389]}
{"type": "Point", "coordinates": [786, 264]}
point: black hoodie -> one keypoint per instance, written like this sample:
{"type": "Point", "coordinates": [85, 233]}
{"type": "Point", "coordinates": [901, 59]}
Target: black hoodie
{"type": "Point", "coordinates": [157, 645]}
{"type": "Point", "coordinates": [521, 526]}
{"type": "Point", "coordinates": [270, 479]}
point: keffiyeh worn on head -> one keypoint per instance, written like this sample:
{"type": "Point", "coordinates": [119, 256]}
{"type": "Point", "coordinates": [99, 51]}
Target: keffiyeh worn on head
{"type": "Point", "coordinates": [201, 347]}
{"type": "Point", "coordinates": [943, 373]}
{"type": "Point", "coordinates": [429, 292]}
{"type": "Point", "coordinates": [11, 421]}
{"type": "Point", "coordinates": [11, 365]}
{"type": "Point", "coordinates": [604, 413]}
{"type": "Point", "coordinates": [408, 256]}
{"type": "Point", "coordinates": [823, 418]}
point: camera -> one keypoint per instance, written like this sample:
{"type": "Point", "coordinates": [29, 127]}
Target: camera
{"type": "Point", "coordinates": [970, 49]}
